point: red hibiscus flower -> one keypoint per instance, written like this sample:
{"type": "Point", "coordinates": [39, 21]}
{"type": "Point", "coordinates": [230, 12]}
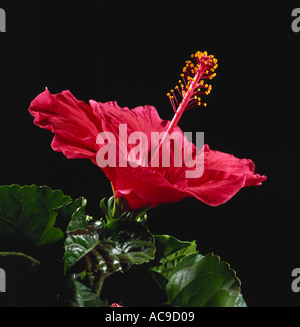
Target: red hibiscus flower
{"type": "Point", "coordinates": [134, 175]}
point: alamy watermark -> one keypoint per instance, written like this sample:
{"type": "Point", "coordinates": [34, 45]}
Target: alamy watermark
{"type": "Point", "coordinates": [2, 20]}
{"type": "Point", "coordinates": [296, 282]}
{"type": "Point", "coordinates": [296, 21]}
{"type": "Point", "coordinates": [2, 280]}
{"type": "Point", "coordinates": [155, 149]}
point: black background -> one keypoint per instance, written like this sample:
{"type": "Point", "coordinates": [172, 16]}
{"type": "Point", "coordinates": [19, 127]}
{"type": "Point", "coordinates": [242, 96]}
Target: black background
{"type": "Point", "coordinates": [133, 52]}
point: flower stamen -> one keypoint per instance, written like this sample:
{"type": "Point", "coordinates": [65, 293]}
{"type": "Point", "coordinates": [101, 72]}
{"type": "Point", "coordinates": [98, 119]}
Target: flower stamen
{"type": "Point", "coordinates": [194, 73]}
{"type": "Point", "coordinates": [193, 86]}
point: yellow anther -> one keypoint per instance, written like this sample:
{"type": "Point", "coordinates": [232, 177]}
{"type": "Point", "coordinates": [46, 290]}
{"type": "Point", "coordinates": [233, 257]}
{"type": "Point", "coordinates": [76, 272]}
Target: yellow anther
{"type": "Point", "coordinates": [203, 65]}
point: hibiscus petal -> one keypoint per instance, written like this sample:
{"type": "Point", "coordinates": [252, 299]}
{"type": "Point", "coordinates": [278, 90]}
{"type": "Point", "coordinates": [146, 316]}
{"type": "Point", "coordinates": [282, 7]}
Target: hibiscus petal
{"type": "Point", "coordinates": [146, 187]}
{"type": "Point", "coordinates": [224, 175]}
{"type": "Point", "coordinates": [73, 122]}
{"type": "Point", "coordinates": [76, 126]}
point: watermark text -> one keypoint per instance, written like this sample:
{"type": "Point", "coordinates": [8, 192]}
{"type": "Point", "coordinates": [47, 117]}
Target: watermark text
{"type": "Point", "coordinates": [2, 280]}
{"type": "Point", "coordinates": [2, 20]}
{"type": "Point", "coordinates": [296, 21]}
{"type": "Point", "coordinates": [139, 149]}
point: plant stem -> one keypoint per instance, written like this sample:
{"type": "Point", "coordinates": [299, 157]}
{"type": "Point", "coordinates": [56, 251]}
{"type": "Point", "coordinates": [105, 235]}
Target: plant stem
{"type": "Point", "coordinates": [100, 284]}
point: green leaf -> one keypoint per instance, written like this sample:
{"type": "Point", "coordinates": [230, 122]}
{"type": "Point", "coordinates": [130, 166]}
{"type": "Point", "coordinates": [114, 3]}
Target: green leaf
{"type": "Point", "coordinates": [76, 294]}
{"type": "Point", "coordinates": [120, 209]}
{"type": "Point", "coordinates": [121, 245]}
{"type": "Point", "coordinates": [169, 253]}
{"type": "Point", "coordinates": [159, 279]}
{"type": "Point", "coordinates": [77, 248]}
{"type": "Point", "coordinates": [79, 219]}
{"type": "Point", "coordinates": [65, 212]}
{"type": "Point", "coordinates": [104, 208]}
{"type": "Point", "coordinates": [167, 245]}
{"type": "Point", "coordinates": [240, 302]}
{"type": "Point", "coordinates": [27, 282]}
{"type": "Point", "coordinates": [27, 215]}
{"type": "Point", "coordinates": [133, 241]}
{"type": "Point", "coordinates": [200, 281]}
